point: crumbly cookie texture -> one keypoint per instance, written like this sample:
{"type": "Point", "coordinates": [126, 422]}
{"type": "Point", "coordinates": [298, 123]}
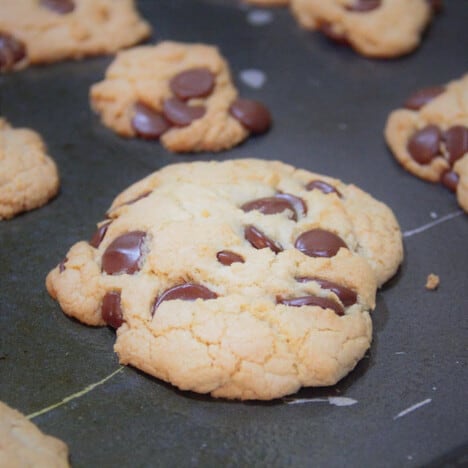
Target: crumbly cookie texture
{"type": "Point", "coordinates": [429, 136]}
{"type": "Point", "coordinates": [43, 31]}
{"type": "Point", "coordinates": [432, 282]}
{"type": "Point", "coordinates": [244, 279]}
{"type": "Point", "coordinates": [374, 28]}
{"type": "Point", "coordinates": [28, 177]}
{"type": "Point", "coordinates": [24, 445]}
{"type": "Point", "coordinates": [179, 93]}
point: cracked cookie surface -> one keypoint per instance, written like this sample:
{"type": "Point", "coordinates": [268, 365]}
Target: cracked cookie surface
{"type": "Point", "coordinates": [374, 28]}
{"type": "Point", "coordinates": [429, 136]}
{"type": "Point", "coordinates": [44, 31]}
{"type": "Point", "coordinates": [244, 279]}
{"type": "Point", "coordinates": [28, 177]}
{"type": "Point", "coordinates": [179, 93]}
{"type": "Point", "coordinates": [23, 444]}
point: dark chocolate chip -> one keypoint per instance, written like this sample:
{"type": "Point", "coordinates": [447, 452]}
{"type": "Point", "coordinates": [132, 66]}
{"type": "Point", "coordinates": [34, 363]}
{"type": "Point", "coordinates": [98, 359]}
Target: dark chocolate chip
{"type": "Point", "coordinates": [62, 7]}
{"type": "Point", "coordinates": [226, 257]}
{"type": "Point", "coordinates": [456, 142]}
{"type": "Point", "coordinates": [185, 292]}
{"type": "Point", "coordinates": [124, 253]}
{"type": "Point", "coordinates": [329, 31]}
{"type": "Point", "coordinates": [181, 114]}
{"type": "Point", "coordinates": [277, 204]}
{"type": "Point", "coordinates": [319, 243]}
{"type": "Point", "coordinates": [12, 51]}
{"type": "Point", "coordinates": [323, 187]}
{"type": "Point", "coordinates": [147, 123]}
{"type": "Point", "coordinates": [436, 5]}
{"type": "Point", "coordinates": [362, 6]}
{"type": "Point", "coordinates": [259, 240]}
{"type": "Point", "coordinates": [62, 266]}
{"type": "Point", "coordinates": [422, 97]}
{"type": "Point", "coordinates": [111, 309]}
{"type": "Point", "coordinates": [322, 302]}
{"type": "Point", "coordinates": [424, 145]}
{"type": "Point", "coordinates": [99, 235]}
{"type": "Point", "coordinates": [194, 83]}
{"type": "Point", "coordinates": [347, 296]}
{"type": "Point", "coordinates": [253, 115]}
{"type": "Point", "coordinates": [450, 179]}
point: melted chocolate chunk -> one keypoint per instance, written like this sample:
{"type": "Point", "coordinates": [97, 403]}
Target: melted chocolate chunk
{"type": "Point", "coordinates": [329, 31]}
{"type": "Point", "coordinates": [181, 114]}
{"type": "Point", "coordinates": [111, 309]}
{"type": "Point", "coordinates": [259, 240]}
{"type": "Point", "coordinates": [450, 179]}
{"type": "Point", "coordinates": [347, 296]}
{"type": "Point", "coordinates": [422, 97]}
{"type": "Point", "coordinates": [319, 243]}
{"type": "Point", "coordinates": [322, 186]}
{"type": "Point", "coordinates": [12, 51]}
{"type": "Point", "coordinates": [194, 83]}
{"type": "Point", "coordinates": [253, 115]}
{"type": "Point", "coordinates": [456, 142]}
{"type": "Point", "coordinates": [436, 5]}
{"type": "Point", "coordinates": [362, 6]}
{"type": "Point", "coordinates": [424, 145]}
{"type": "Point", "coordinates": [123, 255]}
{"type": "Point", "coordinates": [62, 7]}
{"type": "Point", "coordinates": [99, 235]}
{"type": "Point", "coordinates": [185, 292]}
{"type": "Point", "coordinates": [147, 123]}
{"type": "Point", "coordinates": [226, 257]}
{"type": "Point", "coordinates": [277, 204]}
{"type": "Point", "coordinates": [62, 266]}
{"type": "Point", "coordinates": [322, 302]}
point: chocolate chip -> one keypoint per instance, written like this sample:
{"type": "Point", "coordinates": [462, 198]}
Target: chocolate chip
{"type": "Point", "coordinates": [62, 7]}
{"type": "Point", "coordinates": [322, 302]}
{"type": "Point", "coordinates": [347, 296]}
{"type": "Point", "coordinates": [277, 204]}
{"type": "Point", "coordinates": [226, 257]}
{"type": "Point", "coordinates": [185, 292]}
{"type": "Point", "coordinates": [111, 309]}
{"type": "Point", "coordinates": [253, 115]}
{"type": "Point", "coordinates": [450, 179]}
{"type": "Point", "coordinates": [424, 145]}
{"type": "Point", "coordinates": [194, 83]}
{"type": "Point", "coordinates": [62, 266]}
{"type": "Point", "coordinates": [147, 123]}
{"type": "Point", "coordinates": [99, 235]}
{"type": "Point", "coordinates": [329, 31]}
{"type": "Point", "coordinates": [181, 114]}
{"type": "Point", "coordinates": [124, 253]}
{"type": "Point", "coordinates": [323, 187]}
{"type": "Point", "coordinates": [12, 51]}
{"type": "Point", "coordinates": [456, 142]}
{"type": "Point", "coordinates": [319, 243]}
{"type": "Point", "coordinates": [422, 97]}
{"type": "Point", "coordinates": [436, 5]}
{"type": "Point", "coordinates": [259, 240]}
{"type": "Point", "coordinates": [363, 6]}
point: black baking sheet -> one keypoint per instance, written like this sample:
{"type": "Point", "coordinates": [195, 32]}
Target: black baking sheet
{"type": "Point", "coordinates": [330, 107]}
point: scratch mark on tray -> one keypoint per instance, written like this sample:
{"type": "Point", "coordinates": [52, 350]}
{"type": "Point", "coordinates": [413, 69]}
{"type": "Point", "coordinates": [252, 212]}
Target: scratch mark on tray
{"type": "Point", "coordinates": [75, 395]}
{"type": "Point", "coordinates": [423, 228]}
{"type": "Point", "coordinates": [412, 408]}
{"type": "Point", "coordinates": [336, 401]}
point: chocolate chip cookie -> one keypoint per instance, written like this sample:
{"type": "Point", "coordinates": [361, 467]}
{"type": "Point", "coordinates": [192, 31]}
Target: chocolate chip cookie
{"type": "Point", "coordinates": [179, 93]}
{"type": "Point", "coordinates": [43, 31]}
{"type": "Point", "coordinates": [244, 279]}
{"type": "Point", "coordinates": [429, 136]}
{"type": "Point", "coordinates": [24, 445]}
{"type": "Point", "coordinates": [28, 177]}
{"type": "Point", "coordinates": [374, 28]}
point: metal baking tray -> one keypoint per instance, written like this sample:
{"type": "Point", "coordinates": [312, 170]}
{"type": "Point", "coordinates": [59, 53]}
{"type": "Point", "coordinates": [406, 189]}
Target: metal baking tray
{"type": "Point", "coordinates": [403, 405]}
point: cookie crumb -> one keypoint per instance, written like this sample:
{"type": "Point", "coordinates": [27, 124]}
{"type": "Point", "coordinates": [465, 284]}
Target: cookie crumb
{"type": "Point", "coordinates": [432, 282]}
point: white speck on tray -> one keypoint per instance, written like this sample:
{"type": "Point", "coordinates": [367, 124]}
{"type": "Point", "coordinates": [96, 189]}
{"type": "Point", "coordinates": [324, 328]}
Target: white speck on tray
{"type": "Point", "coordinates": [434, 215]}
{"type": "Point", "coordinates": [259, 17]}
{"type": "Point", "coordinates": [253, 78]}
{"type": "Point", "coordinates": [412, 408]}
{"type": "Point", "coordinates": [335, 401]}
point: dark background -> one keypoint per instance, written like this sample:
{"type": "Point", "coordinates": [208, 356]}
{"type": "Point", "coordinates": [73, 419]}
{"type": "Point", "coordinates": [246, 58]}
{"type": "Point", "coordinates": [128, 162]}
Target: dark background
{"type": "Point", "coordinates": [330, 106]}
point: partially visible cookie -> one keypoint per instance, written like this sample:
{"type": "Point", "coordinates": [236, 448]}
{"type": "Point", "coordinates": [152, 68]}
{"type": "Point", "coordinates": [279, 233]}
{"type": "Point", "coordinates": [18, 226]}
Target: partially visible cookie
{"type": "Point", "coordinates": [179, 93]}
{"type": "Point", "coordinates": [244, 279]}
{"type": "Point", "coordinates": [375, 28]}
{"type": "Point", "coordinates": [268, 3]}
{"type": "Point", "coordinates": [22, 444]}
{"type": "Point", "coordinates": [43, 31]}
{"type": "Point", "coordinates": [429, 136]}
{"type": "Point", "coordinates": [28, 177]}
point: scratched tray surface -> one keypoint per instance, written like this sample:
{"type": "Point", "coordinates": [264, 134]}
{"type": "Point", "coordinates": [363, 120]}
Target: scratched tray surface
{"type": "Point", "coordinates": [404, 404]}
